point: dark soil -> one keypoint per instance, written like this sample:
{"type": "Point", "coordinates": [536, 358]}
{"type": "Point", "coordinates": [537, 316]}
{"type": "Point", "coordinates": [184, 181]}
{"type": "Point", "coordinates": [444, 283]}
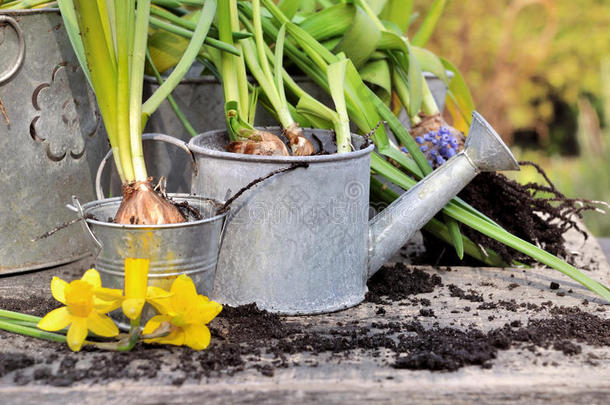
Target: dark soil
{"type": "Point", "coordinates": [34, 305]}
{"type": "Point", "coordinates": [393, 284]}
{"type": "Point", "coordinates": [246, 339]}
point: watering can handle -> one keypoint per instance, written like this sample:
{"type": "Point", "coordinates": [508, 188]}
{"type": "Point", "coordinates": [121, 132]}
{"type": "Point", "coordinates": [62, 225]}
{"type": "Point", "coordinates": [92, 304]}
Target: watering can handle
{"type": "Point", "coordinates": [146, 137]}
{"type": "Point", "coordinates": [9, 73]}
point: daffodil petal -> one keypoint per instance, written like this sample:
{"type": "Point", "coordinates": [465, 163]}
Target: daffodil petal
{"type": "Point", "coordinates": [107, 299]}
{"type": "Point", "coordinates": [55, 320]}
{"type": "Point", "coordinates": [202, 311]}
{"type": "Point", "coordinates": [103, 307]}
{"type": "Point", "coordinates": [132, 307]}
{"type": "Point", "coordinates": [58, 289]}
{"type": "Point", "coordinates": [136, 277]}
{"type": "Point", "coordinates": [184, 293]}
{"type": "Point", "coordinates": [176, 338]}
{"type": "Point", "coordinates": [197, 336]}
{"type": "Point", "coordinates": [92, 277]}
{"type": "Point", "coordinates": [108, 294]}
{"type": "Point", "coordinates": [102, 325]}
{"type": "Point", "coordinates": [77, 333]}
{"type": "Point", "coordinates": [210, 310]}
{"type": "Point", "coordinates": [154, 323]}
{"type": "Point", "coordinates": [159, 299]}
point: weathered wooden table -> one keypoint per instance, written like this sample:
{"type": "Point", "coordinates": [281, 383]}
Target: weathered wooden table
{"type": "Point", "coordinates": [516, 375]}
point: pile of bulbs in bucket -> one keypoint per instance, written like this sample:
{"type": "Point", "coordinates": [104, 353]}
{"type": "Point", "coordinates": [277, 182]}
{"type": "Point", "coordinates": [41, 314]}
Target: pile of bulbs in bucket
{"type": "Point", "coordinates": [181, 319]}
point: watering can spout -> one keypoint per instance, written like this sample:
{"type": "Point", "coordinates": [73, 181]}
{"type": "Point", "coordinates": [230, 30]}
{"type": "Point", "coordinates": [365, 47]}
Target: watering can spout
{"type": "Point", "coordinates": [394, 226]}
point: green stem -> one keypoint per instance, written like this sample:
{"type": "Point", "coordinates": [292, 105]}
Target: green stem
{"type": "Point", "coordinates": [124, 29]}
{"type": "Point", "coordinates": [183, 120]}
{"type": "Point", "coordinates": [258, 39]}
{"type": "Point", "coordinates": [428, 106]}
{"type": "Point", "coordinates": [33, 332]}
{"type": "Point", "coordinates": [187, 33]}
{"type": "Point", "coordinates": [134, 334]}
{"type": "Point", "coordinates": [19, 316]}
{"type": "Point", "coordinates": [103, 75]}
{"type": "Point", "coordinates": [336, 81]}
{"type": "Point", "coordinates": [187, 59]}
{"type": "Point", "coordinates": [233, 72]}
{"type": "Point", "coordinates": [138, 56]}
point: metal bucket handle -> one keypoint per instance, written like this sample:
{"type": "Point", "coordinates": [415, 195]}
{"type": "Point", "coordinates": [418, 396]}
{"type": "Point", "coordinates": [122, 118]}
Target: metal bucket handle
{"type": "Point", "coordinates": [146, 137]}
{"type": "Point", "coordinates": [78, 208]}
{"type": "Point", "coordinates": [8, 74]}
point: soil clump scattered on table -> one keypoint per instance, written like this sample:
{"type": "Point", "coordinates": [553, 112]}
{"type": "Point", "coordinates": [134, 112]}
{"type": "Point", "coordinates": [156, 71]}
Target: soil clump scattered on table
{"type": "Point", "coordinates": [35, 305]}
{"type": "Point", "coordinates": [247, 339]}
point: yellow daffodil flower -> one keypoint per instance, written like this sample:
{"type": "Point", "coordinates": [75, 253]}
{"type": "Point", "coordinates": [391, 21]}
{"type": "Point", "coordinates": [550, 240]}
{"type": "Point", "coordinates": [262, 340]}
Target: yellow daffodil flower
{"type": "Point", "coordinates": [84, 309]}
{"type": "Point", "coordinates": [136, 282]}
{"type": "Point", "coordinates": [137, 291]}
{"type": "Point", "coordinates": [187, 313]}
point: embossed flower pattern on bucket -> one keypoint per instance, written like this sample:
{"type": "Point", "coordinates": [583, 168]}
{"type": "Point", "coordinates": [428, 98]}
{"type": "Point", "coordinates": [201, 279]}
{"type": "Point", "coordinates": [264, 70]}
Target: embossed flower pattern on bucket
{"type": "Point", "coordinates": [59, 106]}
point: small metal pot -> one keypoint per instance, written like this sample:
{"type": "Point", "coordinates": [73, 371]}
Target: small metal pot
{"type": "Point", "coordinates": [189, 248]}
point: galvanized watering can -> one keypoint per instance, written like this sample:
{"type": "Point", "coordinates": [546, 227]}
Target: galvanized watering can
{"type": "Point", "coordinates": [301, 242]}
{"type": "Point", "coordinates": [51, 140]}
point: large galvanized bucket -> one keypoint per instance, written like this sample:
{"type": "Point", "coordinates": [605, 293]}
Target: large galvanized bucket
{"type": "Point", "coordinates": [51, 139]}
{"type": "Point", "coordinates": [297, 242]}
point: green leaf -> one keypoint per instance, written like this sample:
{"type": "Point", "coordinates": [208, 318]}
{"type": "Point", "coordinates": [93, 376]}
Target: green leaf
{"type": "Point", "coordinates": [455, 235]}
{"type": "Point", "coordinates": [415, 82]}
{"type": "Point", "coordinates": [399, 13]}
{"type": "Point", "coordinates": [429, 23]}
{"type": "Point", "coordinates": [408, 68]}
{"type": "Point", "coordinates": [289, 7]}
{"type": "Point", "coordinates": [429, 62]}
{"type": "Point", "coordinates": [71, 24]}
{"type": "Point", "coordinates": [378, 74]}
{"type": "Point", "coordinates": [336, 81]}
{"type": "Point", "coordinates": [458, 101]}
{"type": "Point", "coordinates": [330, 22]}
{"type": "Point", "coordinates": [203, 25]}
{"type": "Point", "coordinates": [376, 5]}
{"type": "Point", "coordinates": [360, 41]}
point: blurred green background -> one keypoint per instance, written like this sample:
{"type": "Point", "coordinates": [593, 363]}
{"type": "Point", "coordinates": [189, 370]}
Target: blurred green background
{"type": "Point", "coordinates": [539, 71]}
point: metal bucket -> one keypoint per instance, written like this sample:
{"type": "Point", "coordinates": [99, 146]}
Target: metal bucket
{"type": "Point", "coordinates": [189, 248]}
{"type": "Point", "coordinates": [297, 242]}
{"type": "Point", "coordinates": [50, 149]}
